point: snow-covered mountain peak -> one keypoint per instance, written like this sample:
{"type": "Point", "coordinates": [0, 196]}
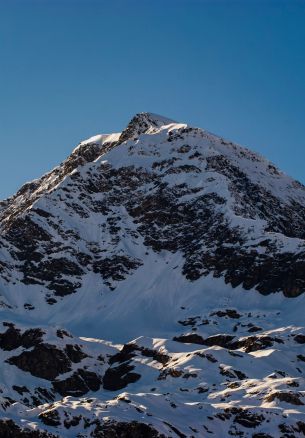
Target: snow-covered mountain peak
{"type": "Point", "coordinates": [166, 238]}
{"type": "Point", "coordinates": [139, 124]}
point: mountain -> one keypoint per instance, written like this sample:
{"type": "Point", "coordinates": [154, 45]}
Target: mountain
{"type": "Point", "coordinates": [152, 285]}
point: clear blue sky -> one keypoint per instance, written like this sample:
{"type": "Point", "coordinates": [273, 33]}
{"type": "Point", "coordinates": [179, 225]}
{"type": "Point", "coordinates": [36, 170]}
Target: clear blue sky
{"type": "Point", "coordinates": [70, 69]}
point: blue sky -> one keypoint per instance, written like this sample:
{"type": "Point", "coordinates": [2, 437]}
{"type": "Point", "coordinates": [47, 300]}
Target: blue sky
{"type": "Point", "coordinates": [70, 69]}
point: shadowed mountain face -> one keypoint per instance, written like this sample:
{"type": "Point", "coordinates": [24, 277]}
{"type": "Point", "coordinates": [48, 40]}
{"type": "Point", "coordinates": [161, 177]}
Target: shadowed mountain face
{"type": "Point", "coordinates": [186, 253]}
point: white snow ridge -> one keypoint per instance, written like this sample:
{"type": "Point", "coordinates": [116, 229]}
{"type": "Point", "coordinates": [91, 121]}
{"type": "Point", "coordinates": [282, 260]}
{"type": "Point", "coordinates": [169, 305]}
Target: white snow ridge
{"type": "Point", "coordinates": [152, 285]}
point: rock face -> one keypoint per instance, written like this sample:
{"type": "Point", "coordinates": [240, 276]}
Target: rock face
{"type": "Point", "coordinates": [156, 274]}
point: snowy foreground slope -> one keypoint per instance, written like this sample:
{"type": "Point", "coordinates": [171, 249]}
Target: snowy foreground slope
{"type": "Point", "coordinates": [152, 285]}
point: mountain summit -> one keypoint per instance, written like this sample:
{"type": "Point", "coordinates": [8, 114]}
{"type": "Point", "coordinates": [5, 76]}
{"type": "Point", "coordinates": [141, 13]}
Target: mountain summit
{"type": "Point", "coordinates": [157, 274]}
{"type": "Point", "coordinates": [144, 123]}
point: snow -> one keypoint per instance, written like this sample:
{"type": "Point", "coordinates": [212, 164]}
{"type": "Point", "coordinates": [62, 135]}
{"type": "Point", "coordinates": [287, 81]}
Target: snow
{"type": "Point", "coordinates": [100, 139]}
